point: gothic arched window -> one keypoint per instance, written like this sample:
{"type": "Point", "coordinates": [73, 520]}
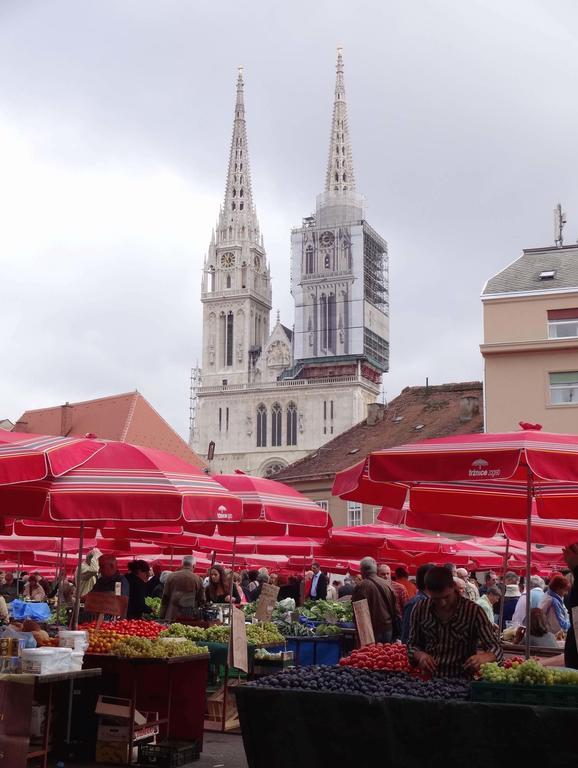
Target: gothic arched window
{"type": "Point", "coordinates": [309, 265]}
{"type": "Point", "coordinates": [291, 424]}
{"type": "Point", "coordinates": [261, 426]}
{"type": "Point", "coordinates": [276, 424]}
{"type": "Point", "coordinates": [229, 339]}
{"type": "Point", "coordinates": [228, 281]}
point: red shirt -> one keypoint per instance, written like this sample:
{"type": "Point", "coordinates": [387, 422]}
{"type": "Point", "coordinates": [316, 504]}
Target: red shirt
{"type": "Point", "coordinates": [410, 587]}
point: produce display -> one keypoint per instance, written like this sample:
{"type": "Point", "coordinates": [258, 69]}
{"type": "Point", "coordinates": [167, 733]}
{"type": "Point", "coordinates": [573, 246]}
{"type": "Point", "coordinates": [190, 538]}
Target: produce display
{"type": "Point", "coordinates": [264, 633]}
{"type": "Point", "coordinates": [134, 627]}
{"type": "Point", "coordinates": [142, 647]}
{"type": "Point", "coordinates": [327, 629]}
{"type": "Point", "coordinates": [328, 610]}
{"type": "Point", "coordinates": [154, 603]}
{"type": "Point", "coordinates": [527, 673]}
{"type": "Point", "coordinates": [294, 629]}
{"type": "Point", "coordinates": [392, 656]}
{"type": "Point", "coordinates": [357, 681]}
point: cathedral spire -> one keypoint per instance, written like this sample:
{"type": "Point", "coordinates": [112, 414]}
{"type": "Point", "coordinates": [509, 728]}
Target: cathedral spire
{"type": "Point", "coordinates": [340, 176]}
{"type": "Point", "coordinates": [238, 220]}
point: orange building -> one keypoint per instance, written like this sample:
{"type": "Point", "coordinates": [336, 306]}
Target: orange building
{"type": "Point", "coordinates": [530, 344]}
{"type": "Point", "coordinates": [129, 418]}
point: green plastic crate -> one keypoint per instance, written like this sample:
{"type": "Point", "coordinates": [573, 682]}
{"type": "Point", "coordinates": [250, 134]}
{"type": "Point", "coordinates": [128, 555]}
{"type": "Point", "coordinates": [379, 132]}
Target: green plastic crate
{"type": "Point", "coordinates": [535, 695]}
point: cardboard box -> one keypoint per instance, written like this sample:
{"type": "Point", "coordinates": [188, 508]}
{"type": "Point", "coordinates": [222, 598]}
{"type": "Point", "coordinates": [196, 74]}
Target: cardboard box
{"type": "Point", "coordinates": [114, 752]}
{"type": "Point", "coordinates": [110, 706]}
{"type": "Point", "coordinates": [111, 729]}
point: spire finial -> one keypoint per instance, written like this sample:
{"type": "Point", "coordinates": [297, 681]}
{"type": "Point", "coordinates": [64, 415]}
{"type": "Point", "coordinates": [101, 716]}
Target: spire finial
{"type": "Point", "coordinates": [340, 176]}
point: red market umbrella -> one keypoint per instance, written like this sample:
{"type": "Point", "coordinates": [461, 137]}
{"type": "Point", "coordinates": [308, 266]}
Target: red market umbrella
{"type": "Point", "coordinates": [25, 458]}
{"type": "Point", "coordinates": [497, 474]}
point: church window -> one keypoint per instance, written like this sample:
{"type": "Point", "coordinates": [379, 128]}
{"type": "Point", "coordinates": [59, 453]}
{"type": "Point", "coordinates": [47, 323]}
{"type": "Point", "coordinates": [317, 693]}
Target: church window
{"type": "Point", "coordinates": [229, 339]}
{"type": "Point", "coordinates": [325, 417]}
{"type": "Point", "coordinates": [241, 206]}
{"type": "Point", "coordinates": [327, 261]}
{"type": "Point", "coordinates": [241, 167]}
{"type": "Point", "coordinates": [211, 279]}
{"type": "Point", "coordinates": [331, 322]}
{"type": "Point", "coordinates": [228, 281]}
{"type": "Point", "coordinates": [261, 426]}
{"type": "Point", "coordinates": [309, 265]}
{"type": "Point", "coordinates": [234, 193]}
{"type": "Point", "coordinates": [227, 417]}
{"type": "Point", "coordinates": [323, 323]}
{"type": "Point", "coordinates": [233, 206]}
{"type": "Point", "coordinates": [336, 176]}
{"type": "Point", "coordinates": [244, 273]}
{"type": "Point", "coordinates": [220, 419]}
{"type": "Point", "coordinates": [291, 424]}
{"type": "Point", "coordinates": [240, 179]}
{"type": "Point", "coordinates": [241, 192]}
{"type": "Point", "coordinates": [276, 424]}
{"type": "Point", "coordinates": [344, 177]}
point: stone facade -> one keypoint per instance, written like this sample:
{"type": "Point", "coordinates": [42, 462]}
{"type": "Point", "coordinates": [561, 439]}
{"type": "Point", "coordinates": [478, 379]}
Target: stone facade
{"type": "Point", "coordinates": [270, 397]}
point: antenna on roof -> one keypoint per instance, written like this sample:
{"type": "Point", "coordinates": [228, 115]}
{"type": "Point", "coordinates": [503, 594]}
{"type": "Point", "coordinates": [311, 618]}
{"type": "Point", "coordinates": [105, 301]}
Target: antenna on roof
{"type": "Point", "coordinates": [559, 222]}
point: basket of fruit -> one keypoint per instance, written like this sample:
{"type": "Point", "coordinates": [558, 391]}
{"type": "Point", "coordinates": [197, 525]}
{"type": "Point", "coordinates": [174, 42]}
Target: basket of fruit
{"type": "Point", "coordinates": [526, 682]}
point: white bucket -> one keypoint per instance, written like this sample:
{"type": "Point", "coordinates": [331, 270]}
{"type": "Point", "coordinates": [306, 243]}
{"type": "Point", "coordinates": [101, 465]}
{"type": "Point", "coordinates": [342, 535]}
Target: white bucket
{"type": "Point", "coordinates": [62, 659]}
{"type": "Point", "coordinates": [76, 660]}
{"type": "Point", "coordinates": [77, 639]}
{"type": "Point", "coordinates": [39, 661]}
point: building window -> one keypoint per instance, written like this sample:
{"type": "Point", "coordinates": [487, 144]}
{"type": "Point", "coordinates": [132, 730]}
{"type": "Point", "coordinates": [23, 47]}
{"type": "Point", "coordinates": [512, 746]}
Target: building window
{"type": "Point", "coordinates": [229, 339]}
{"type": "Point", "coordinates": [309, 260]}
{"type": "Point", "coordinates": [564, 387]}
{"type": "Point", "coordinates": [220, 419]}
{"type": "Point", "coordinates": [324, 323]}
{"type": "Point", "coordinates": [276, 422]}
{"type": "Point", "coordinates": [562, 323]}
{"type": "Point", "coordinates": [291, 424]}
{"type": "Point", "coordinates": [228, 281]}
{"type": "Point", "coordinates": [323, 503]}
{"type": "Point", "coordinates": [261, 426]}
{"type": "Point", "coordinates": [376, 511]}
{"type": "Point", "coordinates": [354, 516]}
{"type": "Point", "coordinates": [227, 419]}
{"type": "Point", "coordinates": [325, 417]}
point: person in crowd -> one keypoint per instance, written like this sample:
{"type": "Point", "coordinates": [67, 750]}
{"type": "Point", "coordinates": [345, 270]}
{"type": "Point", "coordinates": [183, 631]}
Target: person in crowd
{"type": "Point", "coordinates": [138, 578]}
{"type": "Point", "coordinates": [570, 555]}
{"type": "Point", "coordinates": [418, 597]}
{"type": "Point", "coordinates": [536, 597]}
{"type": "Point", "coordinates": [110, 576]}
{"type": "Point", "coordinates": [447, 629]}
{"type": "Point", "coordinates": [89, 572]}
{"type": "Point", "coordinates": [33, 590]}
{"type": "Point", "coordinates": [570, 577]}
{"type": "Point", "coordinates": [219, 588]}
{"type": "Point", "coordinates": [511, 595]}
{"type": "Point", "coordinates": [4, 614]}
{"type": "Point", "coordinates": [491, 581]}
{"type": "Point", "coordinates": [289, 587]}
{"type": "Point", "coordinates": [237, 583]}
{"type": "Point", "coordinates": [263, 576]}
{"type": "Point", "coordinates": [159, 589]}
{"type": "Point", "coordinates": [8, 590]}
{"type": "Point", "coordinates": [155, 580]}
{"type": "Point", "coordinates": [380, 600]}
{"type": "Point", "coordinates": [274, 579]}
{"type": "Point", "coordinates": [336, 583]}
{"type": "Point", "coordinates": [460, 586]}
{"type": "Point", "coordinates": [539, 634]}
{"type": "Point", "coordinates": [402, 577]}
{"type": "Point", "coordinates": [488, 602]}
{"type": "Point", "coordinates": [319, 583]}
{"type": "Point", "coordinates": [471, 592]}
{"type": "Point", "coordinates": [452, 569]}
{"type": "Point", "coordinates": [2, 577]}
{"type": "Point", "coordinates": [555, 612]}
{"type": "Point", "coordinates": [253, 587]}
{"type": "Point", "coordinates": [400, 592]}
{"type": "Point", "coordinates": [332, 593]}
{"type": "Point", "coordinates": [63, 589]}
{"type": "Point", "coordinates": [345, 591]}
{"type": "Point", "coordinates": [41, 581]}
{"type": "Point", "coordinates": [183, 593]}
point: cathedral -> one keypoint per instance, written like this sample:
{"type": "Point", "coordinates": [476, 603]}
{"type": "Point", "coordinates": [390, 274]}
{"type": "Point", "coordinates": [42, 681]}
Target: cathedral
{"type": "Point", "coordinates": [269, 396]}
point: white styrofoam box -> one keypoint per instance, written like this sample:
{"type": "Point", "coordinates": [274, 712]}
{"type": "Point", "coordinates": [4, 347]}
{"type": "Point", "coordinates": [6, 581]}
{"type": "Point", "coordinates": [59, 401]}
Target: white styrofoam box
{"type": "Point", "coordinates": [39, 661]}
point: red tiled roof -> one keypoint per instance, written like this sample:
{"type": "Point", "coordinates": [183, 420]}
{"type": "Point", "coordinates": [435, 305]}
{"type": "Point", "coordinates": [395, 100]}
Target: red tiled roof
{"type": "Point", "coordinates": [129, 418]}
{"type": "Point", "coordinates": [418, 413]}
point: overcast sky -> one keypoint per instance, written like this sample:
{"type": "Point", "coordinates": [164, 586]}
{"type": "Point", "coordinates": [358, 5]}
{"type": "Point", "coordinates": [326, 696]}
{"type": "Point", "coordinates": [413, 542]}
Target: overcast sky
{"type": "Point", "coordinates": [115, 121]}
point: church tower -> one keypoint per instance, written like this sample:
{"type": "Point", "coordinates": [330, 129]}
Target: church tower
{"type": "Point", "coordinates": [339, 273]}
{"type": "Point", "coordinates": [236, 288]}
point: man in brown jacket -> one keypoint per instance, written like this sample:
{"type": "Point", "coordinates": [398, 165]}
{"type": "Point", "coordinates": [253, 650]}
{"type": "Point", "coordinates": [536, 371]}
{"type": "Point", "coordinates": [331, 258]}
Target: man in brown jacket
{"type": "Point", "coordinates": [380, 600]}
{"type": "Point", "coordinates": [183, 593]}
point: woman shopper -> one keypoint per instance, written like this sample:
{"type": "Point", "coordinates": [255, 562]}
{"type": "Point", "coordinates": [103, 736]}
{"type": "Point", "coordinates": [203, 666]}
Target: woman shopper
{"type": "Point", "coordinates": [137, 577]}
{"type": "Point", "coordinates": [555, 612]}
{"type": "Point", "coordinates": [218, 588]}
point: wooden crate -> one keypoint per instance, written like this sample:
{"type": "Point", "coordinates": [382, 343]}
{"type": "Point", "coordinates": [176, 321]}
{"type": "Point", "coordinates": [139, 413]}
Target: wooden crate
{"type": "Point", "coordinates": [215, 708]}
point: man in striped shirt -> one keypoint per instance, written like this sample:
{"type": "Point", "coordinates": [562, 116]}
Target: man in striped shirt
{"type": "Point", "coordinates": [447, 629]}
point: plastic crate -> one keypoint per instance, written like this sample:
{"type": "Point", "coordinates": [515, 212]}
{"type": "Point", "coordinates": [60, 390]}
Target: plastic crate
{"type": "Point", "coordinates": [535, 695]}
{"type": "Point", "coordinates": [168, 754]}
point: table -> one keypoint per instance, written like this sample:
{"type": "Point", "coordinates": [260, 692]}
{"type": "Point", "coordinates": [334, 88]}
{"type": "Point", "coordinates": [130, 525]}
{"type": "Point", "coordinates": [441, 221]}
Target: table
{"type": "Point", "coordinates": [16, 694]}
{"type": "Point", "coordinates": [174, 687]}
{"type": "Point", "coordinates": [322, 730]}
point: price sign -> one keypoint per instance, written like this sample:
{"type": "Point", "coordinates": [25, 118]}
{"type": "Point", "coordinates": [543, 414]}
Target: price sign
{"type": "Point", "coordinates": [266, 602]}
{"type": "Point", "coordinates": [238, 641]}
{"type": "Point", "coordinates": [363, 623]}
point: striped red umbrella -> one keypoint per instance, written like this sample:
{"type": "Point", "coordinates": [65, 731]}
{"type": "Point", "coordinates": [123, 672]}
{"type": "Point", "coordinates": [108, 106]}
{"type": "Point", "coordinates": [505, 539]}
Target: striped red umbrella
{"type": "Point", "coordinates": [124, 484]}
{"type": "Point", "coordinates": [25, 458]}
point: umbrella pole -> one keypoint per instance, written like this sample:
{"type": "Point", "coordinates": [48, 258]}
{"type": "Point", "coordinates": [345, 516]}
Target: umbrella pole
{"type": "Point", "coordinates": [76, 610]}
{"type": "Point", "coordinates": [529, 495]}
{"type": "Point", "coordinates": [18, 569]}
{"type": "Point", "coordinates": [230, 644]}
{"type": "Point", "coordinates": [59, 585]}
{"type": "Point", "coordinates": [504, 568]}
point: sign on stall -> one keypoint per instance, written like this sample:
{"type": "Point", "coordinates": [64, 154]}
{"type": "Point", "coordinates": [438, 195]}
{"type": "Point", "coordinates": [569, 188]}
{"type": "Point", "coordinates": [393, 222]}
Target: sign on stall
{"type": "Point", "coordinates": [266, 602]}
{"type": "Point", "coordinates": [363, 623]}
{"type": "Point", "coordinates": [238, 657]}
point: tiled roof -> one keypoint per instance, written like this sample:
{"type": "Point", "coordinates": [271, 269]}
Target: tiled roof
{"type": "Point", "coordinates": [128, 417]}
{"type": "Point", "coordinates": [524, 274]}
{"type": "Point", "coordinates": [418, 413]}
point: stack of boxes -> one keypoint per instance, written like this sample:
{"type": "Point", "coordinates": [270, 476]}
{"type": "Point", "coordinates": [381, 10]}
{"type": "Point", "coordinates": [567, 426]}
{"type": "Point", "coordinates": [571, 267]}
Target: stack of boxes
{"type": "Point", "coordinates": [113, 745]}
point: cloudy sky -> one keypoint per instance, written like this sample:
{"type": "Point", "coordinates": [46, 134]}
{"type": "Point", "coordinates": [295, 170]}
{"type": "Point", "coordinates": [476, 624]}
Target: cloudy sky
{"type": "Point", "coordinates": [115, 119]}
